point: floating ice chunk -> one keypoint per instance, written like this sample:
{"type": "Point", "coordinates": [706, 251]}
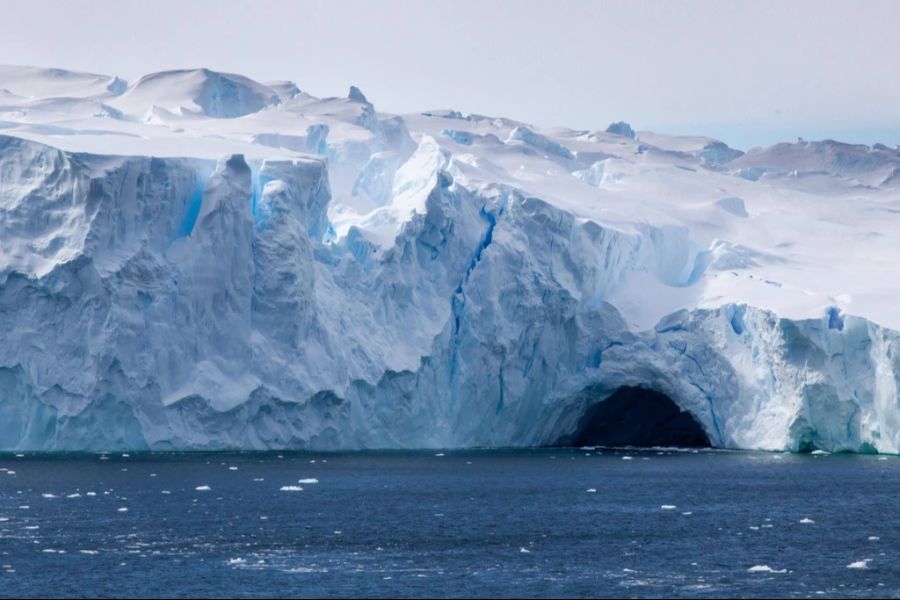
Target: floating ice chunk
{"type": "Point", "coordinates": [122, 509]}
{"type": "Point", "coordinates": [860, 564]}
{"type": "Point", "coordinates": [819, 453]}
{"type": "Point", "coordinates": [237, 561]}
{"type": "Point", "coordinates": [48, 495]}
{"type": "Point", "coordinates": [668, 507]}
{"type": "Point", "coordinates": [591, 490]}
{"type": "Point", "coordinates": [807, 521]}
{"type": "Point", "coordinates": [627, 458]}
{"type": "Point", "coordinates": [166, 492]}
{"type": "Point", "coordinates": [873, 538]}
{"type": "Point", "coordinates": [309, 481]}
{"type": "Point", "coordinates": [765, 569]}
{"type": "Point", "coordinates": [524, 550]}
{"type": "Point", "coordinates": [232, 468]}
{"type": "Point", "coordinates": [75, 495]}
{"type": "Point", "coordinates": [89, 552]}
{"type": "Point", "coordinates": [439, 454]}
{"type": "Point", "coordinates": [291, 488]}
{"type": "Point", "coordinates": [202, 488]}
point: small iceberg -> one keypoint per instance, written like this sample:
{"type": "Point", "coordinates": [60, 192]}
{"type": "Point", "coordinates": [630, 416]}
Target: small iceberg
{"type": "Point", "coordinates": [765, 569]}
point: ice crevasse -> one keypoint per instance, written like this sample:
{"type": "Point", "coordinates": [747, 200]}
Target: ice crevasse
{"type": "Point", "coordinates": [178, 280]}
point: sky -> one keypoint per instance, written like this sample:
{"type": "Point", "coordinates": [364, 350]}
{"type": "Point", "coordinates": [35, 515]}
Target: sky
{"type": "Point", "coordinates": [749, 72]}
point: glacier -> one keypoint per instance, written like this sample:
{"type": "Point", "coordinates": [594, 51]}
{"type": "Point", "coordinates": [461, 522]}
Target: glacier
{"type": "Point", "coordinates": [202, 261]}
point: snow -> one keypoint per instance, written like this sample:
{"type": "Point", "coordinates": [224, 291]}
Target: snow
{"type": "Point", "coordinates": [196, 92]}
{"type": "Point", "coordinates": [40, 83]}
{"type": "Point", "coordinates": [198, 260]}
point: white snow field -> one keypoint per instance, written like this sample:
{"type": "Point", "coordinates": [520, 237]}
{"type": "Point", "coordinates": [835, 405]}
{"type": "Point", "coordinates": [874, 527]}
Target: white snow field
{"type": "Point", "coordinates": [198, 260]}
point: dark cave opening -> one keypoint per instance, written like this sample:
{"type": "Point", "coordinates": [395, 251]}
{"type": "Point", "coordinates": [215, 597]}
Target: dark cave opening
{"type": "Point", "coordinates": [638, 417]}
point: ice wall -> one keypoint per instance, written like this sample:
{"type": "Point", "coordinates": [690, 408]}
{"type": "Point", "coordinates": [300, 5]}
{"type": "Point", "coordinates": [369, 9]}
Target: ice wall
{"type": "Point", "coordinates": [183, 303]}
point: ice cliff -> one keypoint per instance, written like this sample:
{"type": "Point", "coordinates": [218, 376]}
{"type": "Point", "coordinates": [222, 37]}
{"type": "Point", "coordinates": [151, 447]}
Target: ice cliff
{"type": "Point", "coordinates": [199, 260]}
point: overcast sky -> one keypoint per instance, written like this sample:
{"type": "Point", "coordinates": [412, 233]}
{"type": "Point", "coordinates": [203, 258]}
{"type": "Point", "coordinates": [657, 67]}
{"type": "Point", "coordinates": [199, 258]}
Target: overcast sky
{"type": "Point", "coordinates": [748, 72]}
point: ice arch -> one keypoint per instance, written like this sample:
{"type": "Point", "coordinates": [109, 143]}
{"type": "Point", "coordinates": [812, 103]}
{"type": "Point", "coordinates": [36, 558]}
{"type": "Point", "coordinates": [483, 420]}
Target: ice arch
{"type": "Point", "coordinates": [635, 416]}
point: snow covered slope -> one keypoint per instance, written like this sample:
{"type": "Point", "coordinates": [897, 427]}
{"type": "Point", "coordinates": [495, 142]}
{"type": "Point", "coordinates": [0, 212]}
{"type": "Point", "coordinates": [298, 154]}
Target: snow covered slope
{"type": "Point", "coordinates": [199, 260]}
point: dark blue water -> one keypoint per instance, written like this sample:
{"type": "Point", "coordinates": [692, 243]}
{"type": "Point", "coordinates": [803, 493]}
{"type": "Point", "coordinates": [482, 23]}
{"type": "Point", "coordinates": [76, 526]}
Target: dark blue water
{"type": "Point", "coordinates": [480, 523]}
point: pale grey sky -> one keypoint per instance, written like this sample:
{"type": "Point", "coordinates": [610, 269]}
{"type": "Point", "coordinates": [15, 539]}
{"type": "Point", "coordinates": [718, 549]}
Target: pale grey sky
{"type": "Point", "coordinates": [749, 72]}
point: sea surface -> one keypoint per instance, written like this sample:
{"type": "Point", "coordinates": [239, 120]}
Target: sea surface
{"type": "Point", "coordinates": [550, 522]}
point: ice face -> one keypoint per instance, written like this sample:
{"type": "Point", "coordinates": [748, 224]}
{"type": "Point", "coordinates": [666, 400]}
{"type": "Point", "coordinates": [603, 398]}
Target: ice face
{"type": "Point", "coordinates": [360, 280]}
{"type": "Point", "coordinates": [621, 128]}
